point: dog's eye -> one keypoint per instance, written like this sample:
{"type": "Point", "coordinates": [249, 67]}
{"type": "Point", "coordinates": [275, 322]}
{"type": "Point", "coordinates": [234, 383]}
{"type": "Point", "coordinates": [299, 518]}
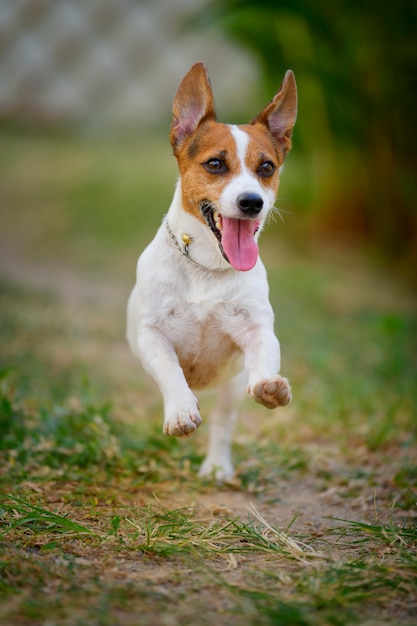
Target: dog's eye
{"type": "Point", "coordinates": [215, 166]}
{"type": "Point", "coordinates": [266, 169]}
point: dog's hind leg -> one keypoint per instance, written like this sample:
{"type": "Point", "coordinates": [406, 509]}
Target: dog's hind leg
{"type": "Point", "coordinates": [218, 462]}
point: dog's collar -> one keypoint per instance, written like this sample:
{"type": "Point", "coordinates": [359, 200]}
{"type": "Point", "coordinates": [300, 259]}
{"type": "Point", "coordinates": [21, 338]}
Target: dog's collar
{"type": "Point", "coordinates": [187, 240]}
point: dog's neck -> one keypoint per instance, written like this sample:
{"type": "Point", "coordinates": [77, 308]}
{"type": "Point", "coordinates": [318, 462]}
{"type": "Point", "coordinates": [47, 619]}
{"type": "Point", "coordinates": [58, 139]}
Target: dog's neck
{"type": "Point", "coordinates": [193, 238]}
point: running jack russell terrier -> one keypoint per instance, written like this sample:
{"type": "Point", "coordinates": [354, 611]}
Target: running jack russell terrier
{"type": "Point", "coordinates": [199, 315]}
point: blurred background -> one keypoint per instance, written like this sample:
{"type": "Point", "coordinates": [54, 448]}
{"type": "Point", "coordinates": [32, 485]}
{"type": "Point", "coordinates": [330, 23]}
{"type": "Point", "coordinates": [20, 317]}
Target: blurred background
{"type": "Point", "coordinates": [107, 71]}
{"type": "Point", "coordinates": [86, 175]}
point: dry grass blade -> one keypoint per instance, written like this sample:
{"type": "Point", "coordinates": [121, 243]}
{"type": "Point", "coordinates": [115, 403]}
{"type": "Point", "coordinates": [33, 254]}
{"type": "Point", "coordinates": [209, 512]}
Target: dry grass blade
{"type": "Point", "coordinates": [298, 550]}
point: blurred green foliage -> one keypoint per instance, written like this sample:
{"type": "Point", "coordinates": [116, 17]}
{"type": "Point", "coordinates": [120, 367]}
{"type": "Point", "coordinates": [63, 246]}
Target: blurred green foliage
{"type": "Point", "coordinates": [356, 67]}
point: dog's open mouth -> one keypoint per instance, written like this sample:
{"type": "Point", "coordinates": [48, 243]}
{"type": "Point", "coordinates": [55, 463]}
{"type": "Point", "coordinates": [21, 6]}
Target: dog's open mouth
{"type": "Point", "coordinates": [236, 237]}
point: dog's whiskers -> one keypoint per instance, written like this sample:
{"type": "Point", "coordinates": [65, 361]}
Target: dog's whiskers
{"type": "Point", "coordinates": [274, 213]}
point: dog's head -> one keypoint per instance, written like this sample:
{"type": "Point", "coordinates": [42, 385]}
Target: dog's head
{"type": "Point", "coordinates": [230, 174]}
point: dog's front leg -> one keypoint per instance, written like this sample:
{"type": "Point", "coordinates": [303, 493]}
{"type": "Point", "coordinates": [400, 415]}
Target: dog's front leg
{"type": "Point", "coordinates": [262, 362]}
{"type": "Point", "coordinates": [160, 360]}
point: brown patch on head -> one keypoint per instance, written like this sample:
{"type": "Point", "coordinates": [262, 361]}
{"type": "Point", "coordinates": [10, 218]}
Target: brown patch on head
{"type": "Point", "coordinates": [209, 142]}
{"type": "Point", "coordinates": [194, 144]}
{"type": "Point", "coordinates": [262, 148]}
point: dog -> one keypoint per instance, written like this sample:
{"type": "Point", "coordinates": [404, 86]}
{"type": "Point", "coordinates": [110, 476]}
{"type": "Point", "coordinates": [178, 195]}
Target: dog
{"type": "Point", "coordinates": [199, 314]}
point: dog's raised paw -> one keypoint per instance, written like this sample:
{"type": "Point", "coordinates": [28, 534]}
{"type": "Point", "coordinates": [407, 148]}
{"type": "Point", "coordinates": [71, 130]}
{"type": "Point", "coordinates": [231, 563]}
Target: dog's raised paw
{"type": "Point", "coordinates": [182, 424]}
{"type": "Point", "coordinates": [272, 392]}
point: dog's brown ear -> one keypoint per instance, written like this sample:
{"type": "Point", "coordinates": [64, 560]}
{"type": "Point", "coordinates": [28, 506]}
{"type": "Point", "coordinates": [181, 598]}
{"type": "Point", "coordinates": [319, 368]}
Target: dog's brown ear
{"type": "Point", "coordinates": [280, 114]}
{"type": "Point", "coordinates": [193, 104]}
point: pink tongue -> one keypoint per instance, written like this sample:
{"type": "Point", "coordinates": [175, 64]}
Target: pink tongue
{"type": "Point", "coordinates": [239, 244]}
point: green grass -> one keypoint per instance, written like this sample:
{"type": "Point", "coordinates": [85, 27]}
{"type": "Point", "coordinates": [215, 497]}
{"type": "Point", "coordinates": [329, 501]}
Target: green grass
{"type": "Point", "coordinates": [36, 518]}
{"type": "Point", "coordinates": [103, 520]}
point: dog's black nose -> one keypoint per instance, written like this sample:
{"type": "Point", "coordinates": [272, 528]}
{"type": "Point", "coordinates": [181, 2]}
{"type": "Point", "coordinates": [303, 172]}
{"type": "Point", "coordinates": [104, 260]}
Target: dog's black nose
{"type": "Point", "coordinates": [250, 203]}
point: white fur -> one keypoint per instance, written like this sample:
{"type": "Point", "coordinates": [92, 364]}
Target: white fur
{"type": "Point", "coordinates": [245, 182]}
{"type": "Point", "coordinates": [218, 324]}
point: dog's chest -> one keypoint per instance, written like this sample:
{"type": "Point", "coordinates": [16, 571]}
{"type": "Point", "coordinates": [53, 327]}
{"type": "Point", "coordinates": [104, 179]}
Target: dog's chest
{"type": "Point", "coordinates": [201, 336]}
